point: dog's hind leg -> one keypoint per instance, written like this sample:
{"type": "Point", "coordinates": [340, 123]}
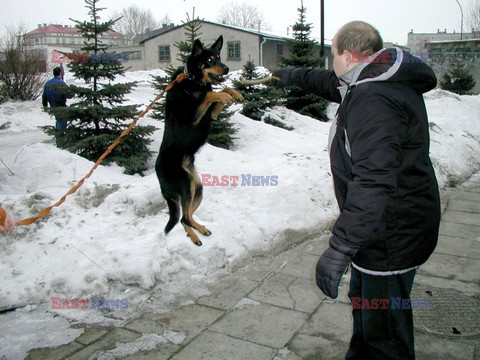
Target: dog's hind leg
{"type": "Point", "coordinates": [191, 201]}
{"type": "Point", "coordinates": [174, 211]}
{"type": "Point", "coordinates": [197, 199]}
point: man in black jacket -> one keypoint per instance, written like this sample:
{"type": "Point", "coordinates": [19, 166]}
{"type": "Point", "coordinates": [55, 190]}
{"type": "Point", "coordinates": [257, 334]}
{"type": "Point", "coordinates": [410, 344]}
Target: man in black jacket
{"type": "Point", "coordinates": [384, 183]}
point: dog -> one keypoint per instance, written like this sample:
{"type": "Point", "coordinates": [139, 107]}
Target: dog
{"type": "Point", "coordinates": [190, 107]}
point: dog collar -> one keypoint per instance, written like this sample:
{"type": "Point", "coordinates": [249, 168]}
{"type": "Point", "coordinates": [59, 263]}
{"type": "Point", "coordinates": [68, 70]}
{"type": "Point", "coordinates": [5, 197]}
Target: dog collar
{"type": "Point", "coordinates": [188, 76]}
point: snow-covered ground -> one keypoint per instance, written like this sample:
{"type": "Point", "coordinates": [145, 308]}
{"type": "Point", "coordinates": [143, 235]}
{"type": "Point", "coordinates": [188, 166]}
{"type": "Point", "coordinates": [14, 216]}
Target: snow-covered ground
{"type": "Point", "coordinates": [107, 240]}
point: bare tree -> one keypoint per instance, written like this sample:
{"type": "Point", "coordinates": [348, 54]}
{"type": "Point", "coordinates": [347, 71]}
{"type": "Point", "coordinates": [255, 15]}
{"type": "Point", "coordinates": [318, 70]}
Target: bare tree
{"type": "Point", "coordinates": [165, 19]}
{"type": "Point", "coordinates": [242, 14]}
{"type": "Point", "coordinates": [22, 70]}
{"type": "Point", "coordinates": [133, 22]}
{"type": "Point", "coordinates": [472, 17]}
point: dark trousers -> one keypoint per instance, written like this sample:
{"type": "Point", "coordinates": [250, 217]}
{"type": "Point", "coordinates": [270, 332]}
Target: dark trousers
{"type": "Point", "coordinates": [380, 333]}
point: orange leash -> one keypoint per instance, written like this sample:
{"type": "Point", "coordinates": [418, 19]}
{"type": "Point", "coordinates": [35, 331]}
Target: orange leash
{"type": "Point", "coordinates": [46, 211]}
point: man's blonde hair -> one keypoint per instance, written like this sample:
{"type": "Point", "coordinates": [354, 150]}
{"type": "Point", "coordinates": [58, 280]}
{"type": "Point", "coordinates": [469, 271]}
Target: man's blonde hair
{"type": "Point", "coordinates": [360, 37]}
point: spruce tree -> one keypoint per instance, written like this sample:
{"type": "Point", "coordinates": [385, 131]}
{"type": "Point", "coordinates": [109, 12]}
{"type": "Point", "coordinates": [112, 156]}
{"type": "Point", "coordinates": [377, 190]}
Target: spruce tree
{"type": "Point", "coordinates": [458, 79]}
{"type": "Point", "coordinates": [98, 117]}
{"type": "Point", "coordinates": [301, 49]}
{"type": "Point", "coordinates": [258, 98]}
{"type": "Point", "coordinates": [221, 129]}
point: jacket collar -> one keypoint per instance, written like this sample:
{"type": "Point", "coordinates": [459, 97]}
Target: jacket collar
{"type": "Point", "coordinates": [350, 79]}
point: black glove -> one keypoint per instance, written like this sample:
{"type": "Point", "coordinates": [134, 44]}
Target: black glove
{"type": "Point", "coordinates": [332, 265]}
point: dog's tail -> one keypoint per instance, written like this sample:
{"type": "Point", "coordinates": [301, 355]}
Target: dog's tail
{"type": "Point", "coordinates": [174, 210]}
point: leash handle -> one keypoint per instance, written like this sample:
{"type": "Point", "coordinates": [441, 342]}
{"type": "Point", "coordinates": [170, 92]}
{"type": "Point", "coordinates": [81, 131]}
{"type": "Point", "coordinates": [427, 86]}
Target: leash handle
{"type": "Point", "coordinates": [46, 211]}
{"type": "Point", "coordinates": [3, 217]}
{"type": "Point", "coordinates": [6, 222]}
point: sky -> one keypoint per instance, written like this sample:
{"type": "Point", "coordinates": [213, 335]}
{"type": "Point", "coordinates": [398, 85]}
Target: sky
{"type": "Point", "coordinates": [394, 19]}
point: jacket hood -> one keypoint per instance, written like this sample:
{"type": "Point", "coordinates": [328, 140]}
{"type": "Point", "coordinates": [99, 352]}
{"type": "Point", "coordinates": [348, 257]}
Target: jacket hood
{"type": "Point", "coordinates": [391, 65]}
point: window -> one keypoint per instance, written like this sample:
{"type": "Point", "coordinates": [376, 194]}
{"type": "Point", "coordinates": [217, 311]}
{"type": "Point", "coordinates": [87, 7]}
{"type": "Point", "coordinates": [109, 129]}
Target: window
{"type": "Point", "coordinates": [233, 50]}
{"type": "Point", "coordinates": [164, 53]}
{"type": "Point", "coordinates": [279, 51]}
{"type": "Point", "coordinates": [135, 55]}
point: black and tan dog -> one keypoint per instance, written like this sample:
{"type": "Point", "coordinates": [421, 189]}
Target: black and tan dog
{"type": "Point", "coordinates": [190, 107]}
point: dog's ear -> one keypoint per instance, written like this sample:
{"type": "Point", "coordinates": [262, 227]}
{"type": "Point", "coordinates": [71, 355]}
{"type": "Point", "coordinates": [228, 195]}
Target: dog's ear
{"type": "Point", "coordinates": [197, 48]}
{"type": "Point", "coordinates": [218, 44]}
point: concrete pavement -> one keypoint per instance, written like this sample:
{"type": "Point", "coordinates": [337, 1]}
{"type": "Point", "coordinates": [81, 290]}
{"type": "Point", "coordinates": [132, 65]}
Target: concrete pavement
{"type": "Point", "coordinates": [271, 309]}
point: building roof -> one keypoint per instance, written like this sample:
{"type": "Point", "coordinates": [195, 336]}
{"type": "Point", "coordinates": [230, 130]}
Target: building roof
{"type": "Point", "coordinates": [62, 29]}
{"type": "Point", "coordinates": [250, 31]}
{"type": "Point", "coordinates": [453, 41]}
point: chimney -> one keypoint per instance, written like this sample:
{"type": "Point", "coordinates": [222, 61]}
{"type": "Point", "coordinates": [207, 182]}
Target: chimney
{"type": "Point", "coordinates": [44, 24]}
{"type": "Point", "coordinates": [39, 25]}
{"type": "Point", "coordinates": [164, 25]}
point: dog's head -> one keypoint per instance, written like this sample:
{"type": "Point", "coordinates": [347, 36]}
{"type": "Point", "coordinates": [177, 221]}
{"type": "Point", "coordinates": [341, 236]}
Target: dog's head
{"type": "Point", "coordinates": [204, 64]}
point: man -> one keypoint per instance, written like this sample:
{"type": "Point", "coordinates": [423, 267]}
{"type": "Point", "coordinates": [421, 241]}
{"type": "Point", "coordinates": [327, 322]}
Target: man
{"type": "Point", "coordinates": [53, 95]}
{"type": "Point", "coordinates": [384, 183]}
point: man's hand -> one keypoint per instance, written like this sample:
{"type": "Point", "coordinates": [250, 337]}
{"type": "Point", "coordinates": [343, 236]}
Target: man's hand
{"type": "Point", "coordinates": [6, 222]}
{"type": "Point", "coordinates": [330, 268]}
{"type": "Point", "coordinates": [332, 265]}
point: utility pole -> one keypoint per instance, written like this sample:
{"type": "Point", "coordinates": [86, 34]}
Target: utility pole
{"type": "Point", "coordinates": [322, 29]}
{"type": "Point", "coordinates": [461, 26]}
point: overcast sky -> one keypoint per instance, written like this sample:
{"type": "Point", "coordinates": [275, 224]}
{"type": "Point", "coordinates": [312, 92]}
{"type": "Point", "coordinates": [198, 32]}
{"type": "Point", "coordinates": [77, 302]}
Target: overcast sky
{"type": "Point", "coordinates": [394, 19]}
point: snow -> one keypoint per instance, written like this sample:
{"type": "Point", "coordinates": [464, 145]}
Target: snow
{"type": "Point", "coordinates": [107, 240]}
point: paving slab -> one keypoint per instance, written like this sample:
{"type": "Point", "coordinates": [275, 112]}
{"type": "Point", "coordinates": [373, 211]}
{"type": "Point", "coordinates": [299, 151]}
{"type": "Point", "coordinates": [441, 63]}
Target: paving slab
{"type": "Point", "coordinates": [471, 195]}
{"type": "Point", "coordinates": [106, 343]}
{"type": "Point", "coordinates": [315, 245]}
{"type": "Point", "coordinates": [309, 347]}
{"type": "Point", "coordinates": [210, 345]}
{"type": "Point", "coordinates": [464, 206]}
{"type": "Point", "coordinates": [231, 291]}
{"type": "Point", "coordinates": [191, 320]}
{"type": "Point", "coordinates": [91, 334]}
{"type": "Point", "coordinates": [459, 230]}
{"type": "Point", "coordinates": [290, 292]}
{"type": "Point", "coordinates": [449, 245]}
{"type": "Point", "coordinates": [451, 267]}
{"type": "Point", "coordinates": [462, 217]}
{"type": "Point", "coordinates": [58, 353]}
{"type": "Point", "coordinates": [332, 321]}
{"type": "Point", "coordinates": [428, 347]}
{"type": "Point", "coordinates": [299, 264]}
{"type": "Point", "coordinates": [260, 323]}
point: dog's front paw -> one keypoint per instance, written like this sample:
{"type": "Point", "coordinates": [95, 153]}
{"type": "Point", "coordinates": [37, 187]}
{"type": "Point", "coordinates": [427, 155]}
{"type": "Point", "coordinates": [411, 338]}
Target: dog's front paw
{"type": "Point", "coordinates": [224, 98]}
{"type": "Point", "coordinates": [234, 94]}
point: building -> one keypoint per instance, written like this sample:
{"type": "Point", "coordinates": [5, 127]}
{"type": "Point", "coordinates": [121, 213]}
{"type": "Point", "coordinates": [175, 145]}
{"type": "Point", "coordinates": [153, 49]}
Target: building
{"type": "Point", "coordinates": [65, 36]}
{"type": "Point", "coordinates": [156, 49]}
{"type": "Point", "coordinates": [417, 42]}
{"type": "Point", "coordinates": [240, 45]}
{"type": "Point", "coordinates": [443, 55]}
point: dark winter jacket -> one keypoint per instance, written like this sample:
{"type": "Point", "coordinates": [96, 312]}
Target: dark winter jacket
{"type": "Point", "coordinates": [52, 95]}
{"type": "Point", "coordinates": [384, 181]}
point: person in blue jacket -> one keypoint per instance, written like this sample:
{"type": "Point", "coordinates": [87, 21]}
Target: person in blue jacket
{"type": "Point", "coordinates": [53, 96]}
{"type": "Point", "coordinates": [384, 183]}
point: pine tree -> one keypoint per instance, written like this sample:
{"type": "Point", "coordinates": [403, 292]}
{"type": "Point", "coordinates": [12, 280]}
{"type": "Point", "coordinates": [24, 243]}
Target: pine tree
{"type": "Point", "coordinates": [458, 80]}
{"type": "Point", "coordinates": [302, 55]}
{"type": "Point", "coordinates": [221, 129]}
{"type": "Point", "coordinates": [98, 117]}
{"type": "Point", "coordinates": [258, 98]}
{"type": "Point", "coordinates": [301, 46]}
